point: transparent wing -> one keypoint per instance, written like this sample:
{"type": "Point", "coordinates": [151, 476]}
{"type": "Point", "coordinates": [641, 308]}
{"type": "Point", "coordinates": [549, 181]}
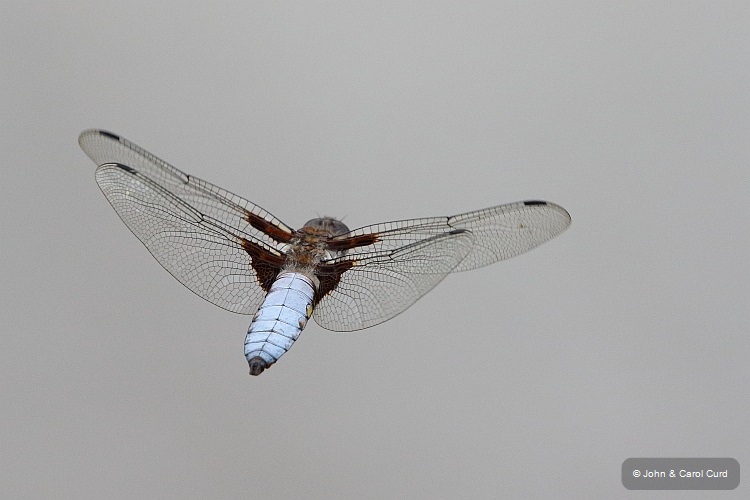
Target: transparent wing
{"type": "Point", "coordinates": [220, 246]}
{"type": "Point", "coordinates": [383, 283]}
{"type": "Point", "coordinates": [505, 231]}
{"type": "Point", "coordinates": [408, 258]}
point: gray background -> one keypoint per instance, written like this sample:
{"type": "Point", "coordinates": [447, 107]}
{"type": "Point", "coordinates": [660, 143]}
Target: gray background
{"type": "Point", "coordinates": [626, 336]}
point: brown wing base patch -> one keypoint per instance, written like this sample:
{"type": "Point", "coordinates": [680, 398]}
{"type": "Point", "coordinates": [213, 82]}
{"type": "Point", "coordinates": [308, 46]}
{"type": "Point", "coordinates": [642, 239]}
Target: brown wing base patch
{"type": "Point", "coordinates": [272, 230]}
{"type": "Point", "coordinates": [265, 264]}
{"type": "Point", "coordinates": [329, 276]}
{"type": "Point", "coordinates": [352, 242]}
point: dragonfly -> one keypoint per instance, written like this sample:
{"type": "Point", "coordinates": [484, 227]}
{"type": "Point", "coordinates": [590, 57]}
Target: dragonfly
{"type": "Point", "coordinates": [241, 258]}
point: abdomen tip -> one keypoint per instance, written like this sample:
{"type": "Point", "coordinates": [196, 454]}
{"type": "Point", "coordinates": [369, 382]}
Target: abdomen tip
{"type": "Point", "coordinates": [257, 365]}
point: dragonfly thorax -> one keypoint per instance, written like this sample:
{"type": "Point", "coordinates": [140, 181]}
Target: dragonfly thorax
{"type": "Point", "coordinates": [309, 245]}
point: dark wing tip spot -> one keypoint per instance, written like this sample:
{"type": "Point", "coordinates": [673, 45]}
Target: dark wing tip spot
{"type": "Point", "coordinates": [534, 202]}
{"type": "Point", "coordinates": [129, 170]}
{"type": "Point", "coordinates": [110, 135]}
{"type": "Point", "coordinates": [458, 231]}
{"type": "Point", "coordinates": [257, 365]}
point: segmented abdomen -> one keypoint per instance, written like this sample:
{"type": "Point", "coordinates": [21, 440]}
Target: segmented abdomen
{"type": "Point", "coordinates": [279, 321]}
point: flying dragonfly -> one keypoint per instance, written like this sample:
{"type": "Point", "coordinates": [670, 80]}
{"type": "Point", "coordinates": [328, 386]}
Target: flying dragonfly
{"type": "Point", "coordinates": [238, 256]}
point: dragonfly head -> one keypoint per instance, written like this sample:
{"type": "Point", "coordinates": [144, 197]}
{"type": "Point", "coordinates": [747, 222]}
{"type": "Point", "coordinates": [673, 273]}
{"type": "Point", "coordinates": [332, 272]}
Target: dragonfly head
{"type": "Point", "coordinates": [327, 226]}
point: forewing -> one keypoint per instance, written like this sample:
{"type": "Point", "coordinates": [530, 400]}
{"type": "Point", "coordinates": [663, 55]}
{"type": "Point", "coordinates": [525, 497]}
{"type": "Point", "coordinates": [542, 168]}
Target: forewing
{"type": "Point", "coordinates": [387, 267]}
{"type": "Point", "coordinates": [505, 231]}
{"type": "Point", "coordinates": [500, 232]}
{"type": "Point", "coordinates": [220, 246]}
{"type": "Point", "coordinates": [377, 285]}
